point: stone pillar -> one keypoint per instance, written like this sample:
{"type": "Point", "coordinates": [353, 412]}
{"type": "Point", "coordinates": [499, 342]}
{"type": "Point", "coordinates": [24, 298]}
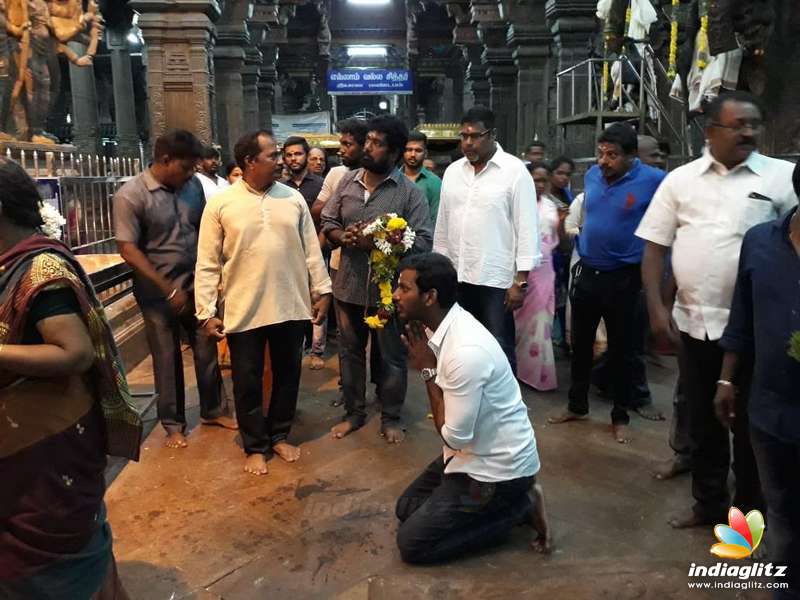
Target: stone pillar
{"type": "Point", "coordinates": [85, 130]}
{"type": "Point", "coordinates": [124, 99]}
{"type": "Point", "coordinates": [572, 23]}
{"type": "Point", "coordinates": [476, 76]}
{"type": "Point", "coordinates": [531, 43]}
{"type": "Point", "coordinates": [250, 78]}
{"type": "Point", "coordinates": [500, 70]}
{"type": "Point", "coordinates": [179, 37]}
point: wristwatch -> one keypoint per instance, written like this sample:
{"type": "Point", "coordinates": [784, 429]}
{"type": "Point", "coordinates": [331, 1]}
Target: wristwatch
{"type": "Point", "coordinates": [427, 374]}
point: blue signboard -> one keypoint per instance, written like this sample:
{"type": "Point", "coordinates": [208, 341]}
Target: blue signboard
{"type": "Point", "coordinates": [370, 81]}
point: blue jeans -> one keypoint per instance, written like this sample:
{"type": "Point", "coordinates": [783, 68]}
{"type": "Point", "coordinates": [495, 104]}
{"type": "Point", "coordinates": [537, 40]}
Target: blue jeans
{"type": "Point", "coordinates": [444, 515]}
{"type": "Point", "coordinates": [392, 378]}
{"type": "Point", "coordinates": [778, 465]}
{"type": "Point", "coordinates": [488, 305]}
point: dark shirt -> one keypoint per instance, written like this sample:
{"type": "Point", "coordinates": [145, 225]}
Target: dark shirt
{"type": "Point", "coordinates": [164, 226]}
{"type": "Point", "coordinates": [764, 314]}
{"type": "Point", "coordinates": [347, 206]}
{"type": "Point", "coordinates": [309, 187]}
{"type": "Point", "coordinates": [612, 212]}
{"type": "Point", "coordinates": [48, 303]}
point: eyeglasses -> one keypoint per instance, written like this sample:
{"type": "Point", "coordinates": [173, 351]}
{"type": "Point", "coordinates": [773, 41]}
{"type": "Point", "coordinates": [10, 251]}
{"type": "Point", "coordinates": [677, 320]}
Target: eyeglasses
{"type": "Point", "coordinates": [754, 126]}
{"type": "Point", "coordinates": [474, 136]}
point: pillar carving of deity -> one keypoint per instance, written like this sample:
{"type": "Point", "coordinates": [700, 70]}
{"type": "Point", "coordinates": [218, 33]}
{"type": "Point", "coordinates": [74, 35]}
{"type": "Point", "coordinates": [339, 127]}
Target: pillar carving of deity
{"type": "Point", "coordinates": [179, 39]}
{"type": "Point", "coordinates": [124, 98]}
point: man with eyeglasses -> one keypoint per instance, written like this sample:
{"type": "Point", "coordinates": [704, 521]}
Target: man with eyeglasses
{"type": "Point", "coordinates": [702, 211]}
{"type": "Point", "coordinates": [488, 227]}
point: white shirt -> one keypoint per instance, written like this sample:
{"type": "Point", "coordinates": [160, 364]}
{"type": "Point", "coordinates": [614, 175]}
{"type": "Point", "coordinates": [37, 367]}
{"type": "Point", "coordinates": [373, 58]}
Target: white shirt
{"type": "Point", "coordinates": [486, 426]}
{"type": "Point", "coordinates": [211, 186]}
{"type": "Point", "coordinates": [574, 220]}
{"type": "Point", "coordinates": [703, 210]}
{"type": "Point", "coordinates": [329, 186]}
{"type": "Point", "coordinates": [264, 250]}
{"type": "Point", "coordinates": [487, 223]}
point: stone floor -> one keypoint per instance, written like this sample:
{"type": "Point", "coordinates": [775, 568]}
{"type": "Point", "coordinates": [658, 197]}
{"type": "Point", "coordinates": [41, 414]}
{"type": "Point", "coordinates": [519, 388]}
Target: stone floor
{"type": "Point", "coordinates": [190, 524]}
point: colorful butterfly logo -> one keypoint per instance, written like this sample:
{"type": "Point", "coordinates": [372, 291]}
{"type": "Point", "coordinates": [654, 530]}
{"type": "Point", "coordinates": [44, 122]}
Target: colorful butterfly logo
{"type": "Point", "coordinates": [742, 535]}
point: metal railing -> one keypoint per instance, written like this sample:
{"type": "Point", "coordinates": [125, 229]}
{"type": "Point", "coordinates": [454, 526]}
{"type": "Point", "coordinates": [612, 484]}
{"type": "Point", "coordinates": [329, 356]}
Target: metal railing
{"type": "Point", "coordinates": [582, 94]}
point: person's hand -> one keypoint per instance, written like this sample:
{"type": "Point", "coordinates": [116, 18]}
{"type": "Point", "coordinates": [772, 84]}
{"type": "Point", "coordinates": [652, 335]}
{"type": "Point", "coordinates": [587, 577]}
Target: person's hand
{"type": "Point", "coordinates": [319, 308]}
{"type": "Point", "coordinates": [725, 404]}
{"type": "Point", "coordinates": [178, 301]}
{"type": "Point", "coordinates": [420, 355]}
{"type": "Point", "coordinates": [664, 330]}
{"type": "Point", "coordinates": [515, 296]}
{"type": "Point", "coordinates": [365, 242]}
{"type": "Point", "coordinates": [214, 328]}
{"type": "Point", "coordinates": [350, 236]}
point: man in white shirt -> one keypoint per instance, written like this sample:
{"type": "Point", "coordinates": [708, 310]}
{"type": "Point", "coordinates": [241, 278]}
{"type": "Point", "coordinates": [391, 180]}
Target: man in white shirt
{"type": "Point", "coordinates": [258, 240]}
{"type": "Point", "coordinates": [208, 172]}
{"type": "Point", "coordinates": [472, 495]}
{"type": "Point", "coordinates": [488, 226]}
{"type": "Point", "coordinates": [702, 211]}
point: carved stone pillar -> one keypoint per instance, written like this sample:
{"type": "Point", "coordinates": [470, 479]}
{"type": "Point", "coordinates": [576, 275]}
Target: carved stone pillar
{"type": "Point", "coordinates": [84, 104]}
{"type": "Point", "coordinates": [179, 38]}
{"type": "Point", "coordinates": [250, 80]}
{"type": "Point", "coordinates": [267, 84]}
{"type": "Point", "coordinates": [531, 42]}
{"type": "Point", "coordinates": [476, 76]}
{"type": "Point", "coordinates": [500, 70]}
{"type": "Point", "coordinates": [124, 98]}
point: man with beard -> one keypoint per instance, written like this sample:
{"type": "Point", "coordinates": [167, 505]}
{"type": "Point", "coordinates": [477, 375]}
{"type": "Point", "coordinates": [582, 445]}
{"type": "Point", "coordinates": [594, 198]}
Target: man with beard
{"type": "Point", "coordinates": [606, 280]}
{"type": "Point", "coordinates": [413, 158]}
{"type": "Point", "coordinates": [702, 211]}
{"type": "Point", "coordinates": [295, 158]}
{"type": "Point", "coordinates": [208, 172]}
{"type": "Point", "coordinates": [488, 227]}
{"type": "Point", "coordinates": [363, 195]}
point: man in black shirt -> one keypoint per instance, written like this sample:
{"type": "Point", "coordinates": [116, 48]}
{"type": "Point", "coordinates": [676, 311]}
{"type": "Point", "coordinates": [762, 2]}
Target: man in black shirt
{"type": "Point", "coordinates": [295, 157]}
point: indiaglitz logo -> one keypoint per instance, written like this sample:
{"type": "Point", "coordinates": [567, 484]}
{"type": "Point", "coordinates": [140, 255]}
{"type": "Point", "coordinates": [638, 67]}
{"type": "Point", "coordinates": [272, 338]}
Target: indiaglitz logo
{"type": "Point", "coordinates": [742, 535]}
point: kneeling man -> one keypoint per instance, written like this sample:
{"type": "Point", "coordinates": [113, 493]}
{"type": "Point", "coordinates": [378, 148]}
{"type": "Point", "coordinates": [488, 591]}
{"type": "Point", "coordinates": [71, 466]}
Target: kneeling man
{"type": "Point", "coordinates": [484, 483]}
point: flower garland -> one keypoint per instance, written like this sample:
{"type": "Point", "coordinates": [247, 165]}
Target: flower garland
{"type": "Point", "coordinates": [702, 40]}
{"type": "Point", "coordinates": [672, 69]}
{"type": "Point", "coordinates": [53, 221]}
{"type": "Point", "coordinates": [392, 238]}
{"type": "Point", "coordinates": [794, 346]}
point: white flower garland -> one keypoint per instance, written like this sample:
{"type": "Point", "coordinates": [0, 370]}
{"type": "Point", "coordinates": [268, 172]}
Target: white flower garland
{"type": "Point", "coordinates": [53, 221]}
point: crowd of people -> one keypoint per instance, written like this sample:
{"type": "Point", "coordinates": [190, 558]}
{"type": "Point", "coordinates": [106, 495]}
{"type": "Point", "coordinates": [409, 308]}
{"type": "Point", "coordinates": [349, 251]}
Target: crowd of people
{"type": "Point", "coordinates": [505, 266]}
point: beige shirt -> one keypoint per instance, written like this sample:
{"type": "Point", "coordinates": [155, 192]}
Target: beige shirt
{"type": "Point", "coordinates": [329, 186]}
{"type": "Point", "coordinates": [702, 210]}
{"type": "Point", "coordinates": [264, 250]}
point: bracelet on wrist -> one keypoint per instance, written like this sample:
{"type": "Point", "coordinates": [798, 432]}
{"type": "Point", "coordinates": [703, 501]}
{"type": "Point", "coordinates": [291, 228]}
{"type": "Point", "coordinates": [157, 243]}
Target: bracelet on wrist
{"type": "Point", "coordinates": [172, 295]}
{"type": "Point", "coordinates": [726, 383]}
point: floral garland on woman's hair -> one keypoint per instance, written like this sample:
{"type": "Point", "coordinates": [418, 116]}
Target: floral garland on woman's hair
{"type": "Point", "coordinates": [794, 346]}
{"type": "Point", "coordinates": [393, 238]}
{"type": "Point", "coordinates": [672, 69]}
{"type": "Point", "coordinates": [53, 221]}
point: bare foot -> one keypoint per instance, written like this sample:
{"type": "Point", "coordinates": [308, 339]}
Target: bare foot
{"type": "Point", "coordinates": [221, 421]}
{"type": "Point", "coordinates": [286, 451]}
{"type": "Point", "coordinates": [342, 429]}
{"type": "Point", "coordinates": [543, 543]}
{"type": "Point", "coordinates": [690, 518]}
{"type": "Point", "coordinates": [256, 464]}
{"type": "Point", "coordinates": [316, 363]}
{"type": "Point", "coordinates": [671, 468]}
{"type": "Point", "coordinates": [622, 433]}
{"type": "Point", "coordinates": [565, 416]}
{"type": "Point", "coordinates": [650, 412]}
{"type": "Point", "coordinates": [393, 435]}
{"type": "Point", "coordinates": [176, 440]}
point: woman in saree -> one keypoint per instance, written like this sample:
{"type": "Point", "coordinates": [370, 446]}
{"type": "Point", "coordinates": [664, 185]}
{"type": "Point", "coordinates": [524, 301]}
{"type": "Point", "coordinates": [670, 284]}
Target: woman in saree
{"type": "Point", "coordinates": [64, 405]}
{"type": "Point", "coordinates": [534, 320]}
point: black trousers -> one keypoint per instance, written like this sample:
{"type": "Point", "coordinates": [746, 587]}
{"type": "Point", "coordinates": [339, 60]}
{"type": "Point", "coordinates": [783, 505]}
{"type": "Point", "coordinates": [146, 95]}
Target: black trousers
{"type": "Point", "coordinates": [487, 304]}
{"type": "Point", "coordinates": [443, 516]}
{"type": "Point", "coordinates": [163, 331]}
{"type": "Point", "coordinates": [779, 464]}
{"type": "Point", "coordinates": [615, 297]}
{"type": "Point", "coordinates": [700, 364]}
{"type": "Point", "coordinates": [259, 431]}
{"type": "Point", "coordinates": [391, 378]}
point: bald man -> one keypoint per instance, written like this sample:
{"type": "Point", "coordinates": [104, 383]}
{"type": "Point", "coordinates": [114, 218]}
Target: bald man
{"type": "Point", "coordinates": [650, 152]}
